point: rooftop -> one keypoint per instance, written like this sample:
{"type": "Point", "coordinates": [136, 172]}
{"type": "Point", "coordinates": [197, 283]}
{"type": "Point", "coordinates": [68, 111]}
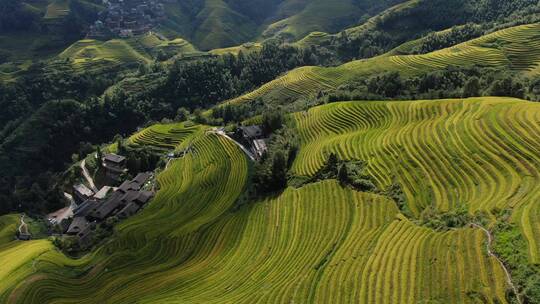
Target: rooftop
{"type": "Point", "coordinates": [136, 183]}
{"type": "Point", "coordinates": [114, 158]}
{"type": "Point", "coordinates": [141, 178]}
{"type": "Point", "coordinates": [107, 207]}
{"type": "Point", "coordinates": [83, 190]}
{"type": "Point", "coordinates": [129, 210]}
{"type": "Point", "coordinates": [86, 208]}
{"type": "Point", "coordinates": [102, 193]}
{"type": "Point", "coordinates": [144, 197]}
{"type": "Point", "coordinates": [252, 131]}
{"type": "Point", "coordinates": [79, 224]}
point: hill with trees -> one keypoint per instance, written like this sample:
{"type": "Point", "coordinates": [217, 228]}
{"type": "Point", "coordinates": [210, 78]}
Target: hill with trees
{"type": "Point", "coordinates": [401, 159]}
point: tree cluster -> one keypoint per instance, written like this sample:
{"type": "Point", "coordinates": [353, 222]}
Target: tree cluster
{"type": "Point", "coordinates": [350, 173]}
{"type": "Point", "coordinates": [270, 173]}
{"type": "Point", "coordinates": [452, 82]}
{"type": "Point", "coordinates": [207, 82]}
{"type": "Point", "coordinates": [440, 40]}
{"type": "Point", "coordinates": [447, 220]}
{"type": "Point", "coordinates": [512, 248]}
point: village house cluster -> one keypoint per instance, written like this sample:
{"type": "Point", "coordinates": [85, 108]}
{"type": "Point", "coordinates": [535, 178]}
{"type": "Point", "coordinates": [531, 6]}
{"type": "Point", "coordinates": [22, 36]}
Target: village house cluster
{"type": "Point", "coordinates": [91, 207]}
{"type": "Point", "coordinates": [127, 18]}
{"type": "Point", "coordinates": [95, 207]}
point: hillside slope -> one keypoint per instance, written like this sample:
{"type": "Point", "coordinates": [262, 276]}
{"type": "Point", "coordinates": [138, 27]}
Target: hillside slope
{"type": "Point", "coordinates": [89, 54]}
{"type": "Point", "coordinates": [515, 49]}
{"type": "Point", "coordinates": [320, 243]}
{"type": "Point", "coordinates": [39, 29]}
{"type": "Point", "coordinates": [481, 153]}
{"type": "Point", "coordinates": [303, 17]}
{"type": "Point", "coordinates": [214, 24]}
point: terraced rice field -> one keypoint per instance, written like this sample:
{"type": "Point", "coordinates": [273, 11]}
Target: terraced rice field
{"type": "Point", "coordinates": [177, 46]}
{"type": "Point", "coordinates": [293, 84]}
{"type": "Point", "coordinates": [315, 39]}
{"type": "Point", "coordinates": [320, 243]}
{"type": "Point", "coordinates": [516, 49]}
{"type": "Point", "coordinates": [8, 227]}
{"type": "Point", "coordinates": [146, 254]}
{"type": "Point", "coordinates": [17, 257]}
{"type": "Point", "coordinates": [89, 54]}
{"type": "Point", "coordinates": [164, 136]}
{"type": "Point", "coordinates": [483, 153]}
{"type": "Point", "coordinates": [57, 9]}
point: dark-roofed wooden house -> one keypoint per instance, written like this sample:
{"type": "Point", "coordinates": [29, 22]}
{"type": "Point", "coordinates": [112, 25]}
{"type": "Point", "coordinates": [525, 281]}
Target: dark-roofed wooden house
{"type": "Point", "coordinates": [136, 183]}
{"type": "Point", "coordinates": [106, 209]}
{"type": "Point", "coordinates": [142, 178]}
{"type": "Point", "coordinates": [252, 137]}
{"type": "Point", "coordinates": [86, 208]}
{"type": "Point", "coordinates": [81, 193]}
{"type": "Point", "coordinates": [24, 236]}
{"type": "Point", "coordinates": [79, 225]}
{"type": "Point", "coordinates": [114, 165]}
{"type": "Point", "coordinates": [143, 197]}
{"type": "Point", "coordinates": [129, 210]}
{"type": "Point", "coordinates": [102, 193]}
{"type": "Point", "coordinates": [250, 133]}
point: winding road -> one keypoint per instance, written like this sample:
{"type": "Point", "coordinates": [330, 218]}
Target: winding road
{"type": "Point", "coordinates": [490, 253]}
{"type": "Point", "coordinates": [222, 133]}
{"type": "Point", "coordinates": [87, 176]}
{"type": "Point", "coordinates": [23, 224]}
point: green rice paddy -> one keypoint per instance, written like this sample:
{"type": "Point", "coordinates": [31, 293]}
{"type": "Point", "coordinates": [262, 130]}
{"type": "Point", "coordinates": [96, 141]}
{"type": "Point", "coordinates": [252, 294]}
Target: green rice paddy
{"type": "Point", "coordinates": [321, 243]}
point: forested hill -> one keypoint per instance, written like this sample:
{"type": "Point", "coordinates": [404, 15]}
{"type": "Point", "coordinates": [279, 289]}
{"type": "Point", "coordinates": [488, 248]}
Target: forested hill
{"type": "Point", "coordinates": [104, 88]}
{"type": "Point", "coordinates": [221, 23]}
{"type": "Point", "coordinates": [39, 28]}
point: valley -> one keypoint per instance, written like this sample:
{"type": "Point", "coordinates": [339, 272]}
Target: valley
{"type": "Point", "coordinates": [270, 151]}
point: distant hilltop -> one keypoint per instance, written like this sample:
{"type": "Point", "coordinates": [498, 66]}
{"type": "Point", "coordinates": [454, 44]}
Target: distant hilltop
{"type": "Point", "coordinates": [127, 18]}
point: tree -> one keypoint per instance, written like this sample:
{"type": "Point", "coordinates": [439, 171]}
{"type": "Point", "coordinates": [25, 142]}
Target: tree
{"type": "Point", "coordinates": [85, 148]}
{"type": "Point", "coordinates": [273, 120]}
{"type": "Point", "coordinates": [332, 163]}
{"type": "Point", "coordinates": [507, 87]}
{"type": "Point", "coordinates": [392, 84]}
{"type": "Point", "coordinates": [279, 171]}
{"type": "Point", "coordinates": [13, 16]}
{"type": "Point", "coordinates": [182, 114]}
{"type": "Point", "coordinates": [133, 163]}
{"type": "Point", "coordinates": [343, 174]}
{"type": "Point", "coordinates": [119, 144]}
{"type": "Point", "coordinates": [388, 85]}
{"type": "Point", "coordinates": [472, 87]}
{"type": "Point", "coordinates": [75, 157]}
{"type": "Point", "coordinates": [99, 156]}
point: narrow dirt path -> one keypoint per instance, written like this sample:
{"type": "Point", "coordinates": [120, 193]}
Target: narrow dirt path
{"type": "Point", "coordinates": [87, 176]}
{"type": "Point", "coordinates": [23, 224]}
{"type": "Point", "coordinates": [490, 253]}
